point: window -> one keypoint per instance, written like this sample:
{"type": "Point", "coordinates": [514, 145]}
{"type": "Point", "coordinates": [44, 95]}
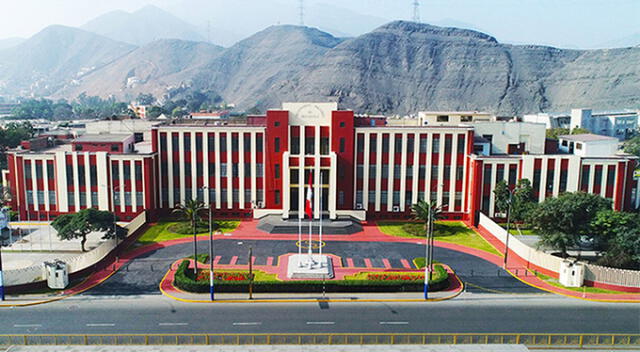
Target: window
{"type": "Point", "coordinates": [295, 145]}
{"type": "Point", "coordinates": [276, 196]}
{"type": "Point", "coordinates": [247, 142]}
{"type": "Point", "coordinates": [93, 173]}
{"type": "Point", "coordinates": [396, 197]}
{"type": "Point", "coordinates": [422, 172]}
{"type": "Point", "coordinates": [276, 145]}
{"type": "Point", "coordinates": [385, 143]}
{"type": "Point", "coordinates": [94, 199]}
{"type": "Point", "coordinates": [187, 142]}
{"type": "Point", "coordinates": [51, 172]}
{"type": "Point", "coordinates": [163, 141]}
{"type": "Point", "coordinates": [52, 198]}
{"type": "Point", "coordinates": [372, 172]}
{"type": "Point", "coordinates": [174, 142]}
{"type": "Point", "coordinates": [259, 143]}
{"type": "Point", "coordinates": [70, 173]}
{"type": "Point", "coordinates": [234, 143]}
{"type": "Point", "coordinates": [223, 143]}
{"type": "Point", "coordinates": [342, 124]}
{"type": "Point", "coordinates": [40, 197]}
{"type": "Point", "coordinates": [383, 197]}
{"type": "Point", "coordinates": [127, 171]}
{"type": "Point", "coordinates": [223, 169]}
{"type": "Point", "coordinates": [424, 144]}
{"type": "Point", "coordinates": [115, 147]}
{"type": "Point", "coordinates": [373, 143]}
{"type": "Point", "coordinates": [461, 143]}
{"type": "Point", "coordinates": [447, 144]}
{"type": "Point", "coordinates": [385, 172]}
{"type": "Point", "coordinates": [235, 196]}
{"type": "Point", "coordinates": [408, 198]}
{"type": "Point", "coordinates": [139, 199]}
{"type": "Point", "coordinates": [360, 142]}
{"type": "Point", "coordinates": [359, 198]}
{"type": "Point", "coordinates": [398, 144]}
{"type": "Point", "coordinates": [442, 118]}
{"type": "Point", "coordinates": [27, 170]}
{"type": "Point", "coordinates": [459, 172]}
{"type": "Point", "coordinates": [341, 197]}
{"type": "Point", "coordinates": [359, 171]}
{"type": "Point", "coordinates": [127, 198]}
{"type": "Point", "coordinates": [247, 169]}
{"type": "Point", "coordinates": [259, 170]}
{"type": "Point", "coordinates": [434, 172]}
{"type": "Point", "coordinates": [341, 145]}
{"type": "Point", "coordinates": [78, 147]}
{"type": "Point", "coordinates": [579, 146]}
{"type": "Point", "coordinates": [324, 145]}
{"type": "Point", "coordinates": [513, 170]}
{"type": "Point", "coordinates": [38, 170]}
{"type": "Point", "coordinates": [396, 171]}
{"type": "Point", "coordinates": [211, 141]}
{"type": "Point", "coordinates": [466, 118]}
{"type": "Point", "coordinates": [294, 175]}
{"type": "Point", "coordinates": [81, 175]}
{"type": "Point", "coordinates": [72, 199]}
{"type": "Point", "coordinates": [199, 171]}
{"type": "Point", "coordinates": [309, 145]}
{"type": "Point", "coordinates": [409, 172]}
{"type": "Point", "coordinates": [138, 171]}
{"type": "Point", "coordinates": [276, 169]}
{"type": "Point", "coordinates": [83, 199]}
{"type": "Point", "coordinates": [435, 145]}
{"type": "Point", "coordinates": [447, 172]}
{"type": "Point", "coordinates": [198, 142]}
{"type": "Point", "coordinates": [410, 144]}
{"type": "Point", "coordinates": [372, 196]}
{"type": "Point", "coordinates": [276, 124]}
{"type": "Point", "coordinates": [234, 170]}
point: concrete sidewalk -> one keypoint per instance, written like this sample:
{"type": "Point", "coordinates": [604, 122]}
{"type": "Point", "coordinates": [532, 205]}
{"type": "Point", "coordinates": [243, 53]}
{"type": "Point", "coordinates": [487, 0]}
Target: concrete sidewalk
{"type": "Point", "coordinates": [279, 348]}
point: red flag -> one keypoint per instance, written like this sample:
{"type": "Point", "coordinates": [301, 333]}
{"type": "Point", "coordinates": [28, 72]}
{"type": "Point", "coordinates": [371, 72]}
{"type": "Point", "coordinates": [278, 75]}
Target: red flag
{"type": "Point", "coordinates": [308, 208]}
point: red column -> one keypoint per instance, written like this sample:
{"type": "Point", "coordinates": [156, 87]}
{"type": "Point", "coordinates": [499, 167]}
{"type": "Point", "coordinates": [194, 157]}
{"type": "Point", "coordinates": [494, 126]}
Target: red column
{"type": "Point", "coordinates": [277, 132]}
{"type": "Point", "coordinates": [342, 129]}
{"type": "Point", "coordinates": [474, 191]}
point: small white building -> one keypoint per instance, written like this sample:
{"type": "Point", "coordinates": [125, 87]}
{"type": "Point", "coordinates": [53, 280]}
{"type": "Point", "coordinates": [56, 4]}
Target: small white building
{"type": "Point", "coordinates": [512, 137]}
{"type": "Point", "coordinates": [588, 145]}
{"type": "Point", "coordinates": [431, 118]}
{"type": "Point", "coordinates": [621, 125]}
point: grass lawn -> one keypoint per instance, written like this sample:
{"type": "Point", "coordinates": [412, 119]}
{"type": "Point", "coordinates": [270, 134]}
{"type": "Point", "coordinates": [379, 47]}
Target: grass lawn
{"type": "Point", "coordinates": [554, 282]}
{"type": "Point", "coordinates": [445, 231]}
{"type": "Point", "coordinates": [438, 274]}
{"type": "Point", "coordinates": [525, 230]}
{"type": "Point", "coordinates": [162, 231]}
{"type": "Point", "coordinates": [258, 275]}
{"type": "Point", "coordinates": [420, 262]}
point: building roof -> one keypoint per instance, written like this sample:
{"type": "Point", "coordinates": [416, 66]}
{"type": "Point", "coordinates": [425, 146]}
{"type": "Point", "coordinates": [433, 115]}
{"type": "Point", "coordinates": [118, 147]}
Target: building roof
{"type": "Point", "coordinates": [105, 138]}
{"type": "Point", "coordinates": [588, 137]}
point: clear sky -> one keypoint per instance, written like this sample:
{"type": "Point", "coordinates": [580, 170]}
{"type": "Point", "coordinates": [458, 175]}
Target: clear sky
{"type": "Point", "coordinates": [565, 23]}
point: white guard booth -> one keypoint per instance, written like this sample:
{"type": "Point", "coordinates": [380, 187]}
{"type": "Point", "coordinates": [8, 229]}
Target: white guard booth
{"type": "Point", "coordinates": [571, 274]}
{"type": "Point", "coordinates": [56, 274]}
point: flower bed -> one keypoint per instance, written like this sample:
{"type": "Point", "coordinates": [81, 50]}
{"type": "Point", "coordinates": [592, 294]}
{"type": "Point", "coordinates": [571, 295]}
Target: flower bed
{"type": "Point", "coordinates": [224, 276]}
{"type": "Point", "coordinates": [394, 277]}
{"type": "Point", "coordinates": [185, 279]}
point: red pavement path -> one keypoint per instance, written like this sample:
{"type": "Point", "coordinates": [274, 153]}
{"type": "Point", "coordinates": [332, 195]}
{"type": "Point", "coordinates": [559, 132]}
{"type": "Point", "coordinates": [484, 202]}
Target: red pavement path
{"type": "Point", "coordinates": [247, 230]}
{"type": "Point", "coordinates": [519, 268]}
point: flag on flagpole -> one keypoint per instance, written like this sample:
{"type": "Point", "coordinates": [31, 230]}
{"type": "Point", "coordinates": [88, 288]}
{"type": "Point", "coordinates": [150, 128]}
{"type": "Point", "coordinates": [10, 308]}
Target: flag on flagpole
{"type": "Point", "coordinates": [308, 208]}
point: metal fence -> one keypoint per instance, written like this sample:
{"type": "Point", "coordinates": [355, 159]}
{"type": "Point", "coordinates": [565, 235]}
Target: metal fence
{"type": "Point", "coordinates": [566, 340]}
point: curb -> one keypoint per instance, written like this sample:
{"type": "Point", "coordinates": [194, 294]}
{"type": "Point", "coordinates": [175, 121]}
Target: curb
{"type": "Point", "coordinates": [302, 300]}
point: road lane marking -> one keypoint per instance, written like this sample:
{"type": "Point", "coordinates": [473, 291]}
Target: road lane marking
{"type": "Point", "coordinates": [405, 263]}
{"type": "Point", "coordinates": [386, 263]}
{"type": "Point", "coordinates": [394, 323]}
{"type": "Point", "coordinates": [101, 324]}
{"type": "Point", "coordinates": [367, 263]}
{"type": "Point", "coordinates": [27, 325]}
{"type": "Point", "coordinates": [173, 324]}
{"type": "Point", "coordinates": [320, 323]}
{"type": "Point", "coordinates": [248, 323]}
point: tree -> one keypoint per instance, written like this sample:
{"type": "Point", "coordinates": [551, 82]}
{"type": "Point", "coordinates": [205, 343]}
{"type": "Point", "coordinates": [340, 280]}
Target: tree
{"type": "Point", "coordinates": [522, 200]}
{"type": "Point", "coordinates": [428, 213]}
{"type": "Point", "coordinates": [80, 224]}
{"type": "Point", "coordinates": [561, 221]}
{"type": "Point", "coordinates": [145, 99]}
{"type": "Point", "coordinates": [632, 146]}
{"type": "Point", "coordinates": [155, 111]}
{"type": "Point", "coordinates": [190, 211]}
{"type": "Point", "coordinates": [553, 133]}
{"type": "Point", "coordinates": [11, 136]}
{"type": "Point", "coordinates": [617, 234]}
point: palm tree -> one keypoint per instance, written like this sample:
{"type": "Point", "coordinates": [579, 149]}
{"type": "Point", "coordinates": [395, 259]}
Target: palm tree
{"type": "Point", "coordinates": [190, 211]}
{"type": "Point", "coordinates": [428, 212]}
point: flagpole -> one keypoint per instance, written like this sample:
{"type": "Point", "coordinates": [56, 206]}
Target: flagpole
{"type": "Point", "coordinates": [310, 195]}
{"type": "Point", "coordinates": [320, 229]}
{"type": "Point", "coordinates": [300, 235]}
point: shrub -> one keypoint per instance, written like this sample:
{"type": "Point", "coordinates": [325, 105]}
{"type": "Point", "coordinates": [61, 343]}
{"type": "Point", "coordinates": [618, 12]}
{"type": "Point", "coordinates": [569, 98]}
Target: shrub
{"type": "Point", "coordinates": [414, 228]}
{"type": "Point", "coordinates": [184, 280]}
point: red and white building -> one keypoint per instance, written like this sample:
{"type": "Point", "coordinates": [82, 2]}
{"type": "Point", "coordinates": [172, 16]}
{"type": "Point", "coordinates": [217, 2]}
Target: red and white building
{"type": "Point", "coordinates": [368, 167]}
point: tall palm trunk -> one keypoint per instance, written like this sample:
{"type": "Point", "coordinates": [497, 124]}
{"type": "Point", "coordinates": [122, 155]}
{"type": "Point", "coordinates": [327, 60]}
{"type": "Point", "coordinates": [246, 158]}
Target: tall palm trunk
{"type": "Point", "coordinates": [195, 247]}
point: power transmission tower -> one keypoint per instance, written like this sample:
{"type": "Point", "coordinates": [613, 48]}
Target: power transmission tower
{"type": "Point", "coordinates": [416, 11]}
{"type": "Point", "coordinates": [301, 8]}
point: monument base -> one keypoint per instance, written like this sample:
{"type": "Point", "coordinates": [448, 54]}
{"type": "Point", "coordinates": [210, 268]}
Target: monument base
{"type": "Point", "coordinates": [320, 268]}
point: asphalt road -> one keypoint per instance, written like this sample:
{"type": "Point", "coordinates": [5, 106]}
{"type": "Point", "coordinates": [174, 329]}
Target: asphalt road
{"type": "Point", "coordinates": [475, 313]}
{"type": "Point", "coordinates": [143, 274]}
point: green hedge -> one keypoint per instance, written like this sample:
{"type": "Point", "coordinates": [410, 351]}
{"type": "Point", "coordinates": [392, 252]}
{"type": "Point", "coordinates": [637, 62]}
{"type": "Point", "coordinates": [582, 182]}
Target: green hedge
{"type": "Point", "coordinates": [184, 280]}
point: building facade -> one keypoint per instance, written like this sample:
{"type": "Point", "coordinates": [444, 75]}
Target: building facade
{"type": "Point", "coordinates": [363, 167]}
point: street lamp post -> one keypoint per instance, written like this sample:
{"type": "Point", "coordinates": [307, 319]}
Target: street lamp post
{"type": "Point", "coordinates": [506, 243]}
{"type": "Point", "coordinates": [427, 252]}
{"type": "Point", "coordinates": [211, 292]}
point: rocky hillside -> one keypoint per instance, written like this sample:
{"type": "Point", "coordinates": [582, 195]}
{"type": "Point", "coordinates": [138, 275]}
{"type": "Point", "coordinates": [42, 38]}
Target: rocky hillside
{"type": "Point", "coordinates": [54, 58]}
{"type": "Point", "coordinates": [401, 67]}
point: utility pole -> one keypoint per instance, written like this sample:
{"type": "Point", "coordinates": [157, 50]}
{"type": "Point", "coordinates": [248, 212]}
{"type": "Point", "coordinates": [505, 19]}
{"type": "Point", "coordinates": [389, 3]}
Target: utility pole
{"type": "Point", "coordinates": [416, 11]}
